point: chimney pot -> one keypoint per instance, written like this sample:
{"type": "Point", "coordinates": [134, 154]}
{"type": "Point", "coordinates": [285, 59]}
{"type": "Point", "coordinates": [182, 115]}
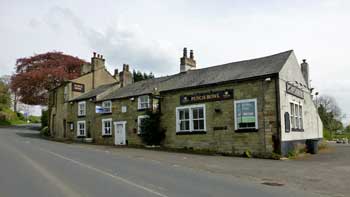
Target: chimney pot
{"type": "Point", "coordinates": [185, 52]}
{"type": "Point", "coordinates": [191, 54]}
{"type": "Point", "coordinates": [94, 54]}
{"type": "Point", "coordinates": [304, 60]}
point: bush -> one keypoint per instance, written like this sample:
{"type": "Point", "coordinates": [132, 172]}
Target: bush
{"type": "Point", "coordinates": [152, 133]}
{"type": "Point", "coordinates": [20, 116]}
{"type": "Point", "coordinates": [34, 119]}
{"type": "Point", "coordinates": [326, 134]}
{"type": "Point", "coordinates": [45, 131]}
{"type": "Point", "coordinates": [44, 118]}
{"type": "Point", "coordinates": [276, 156]}
{"type": "Point", "coordinates": [247, 153]}
{"type": "Point", "coordinates": [9, 117]}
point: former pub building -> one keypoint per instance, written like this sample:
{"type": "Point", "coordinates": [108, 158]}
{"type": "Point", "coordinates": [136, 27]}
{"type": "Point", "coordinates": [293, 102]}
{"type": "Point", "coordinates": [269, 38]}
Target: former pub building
{"type": "Point", "coordinates": [262, 105]}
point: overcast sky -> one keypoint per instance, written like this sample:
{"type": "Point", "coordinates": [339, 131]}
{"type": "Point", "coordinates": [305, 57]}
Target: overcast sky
{"type": "Point", "coordinates": [149, 35]}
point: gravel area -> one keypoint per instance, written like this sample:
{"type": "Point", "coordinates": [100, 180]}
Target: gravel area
{"type": "Point", "coordinates": [327, 173]}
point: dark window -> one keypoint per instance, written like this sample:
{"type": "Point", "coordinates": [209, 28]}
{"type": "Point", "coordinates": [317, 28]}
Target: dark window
{"type": "Point", "coordinates": [287, 122]}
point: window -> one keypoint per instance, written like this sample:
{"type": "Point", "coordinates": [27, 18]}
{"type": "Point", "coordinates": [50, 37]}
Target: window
{"type": "Point", "coordinates": [107, 106]}
{"type": "Point", "coordinates": [292, 115]}
{"type": "Point", "coordinates": [81, 129]}
{"type": "Point", "coordinates": [143, 102]}
{"type": "Point", "coordinates": [287, 122]}
{"type": "Point", "coordinates": [246, 115]}
{"type": "Point", "coordinates": [296, 116]}
{"type": "Point", "coordinates": [301, 117]}
{"type": "Point", "coordinates": [107, 126]}
{"type": "Point", "coordinates": [65, 94]}
{"type": "Point", "coordinates": [184, 119]}
{"type": "Point", "coordinates": [190, 118]}
{"type": "Point", "coordinates": [124, 109]}
{"type": "Point", "coordinates": [82, 108]}
{"type": "Point", "coordinates": [140, 120]}
{"type": "Point", "coordinates": [198, 118]}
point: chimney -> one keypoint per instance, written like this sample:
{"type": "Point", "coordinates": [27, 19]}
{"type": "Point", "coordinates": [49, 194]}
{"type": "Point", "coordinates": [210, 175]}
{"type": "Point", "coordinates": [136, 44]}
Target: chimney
{"type": "Point", "coordinates": [97, 61]}
{"type": "Point", "coordinates": [305, 72]}
{"type": "Point", "coordinates": [187, 63]}
{"type": "Point", "coordinates": [125, 76]}
{"type": "Point", "coordinates": [116, 75]}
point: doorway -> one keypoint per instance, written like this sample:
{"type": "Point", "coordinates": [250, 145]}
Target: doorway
{"type": "Point", "coordinates": [64, 128]}
{"type": "Point", "coordinates": [119, 133]}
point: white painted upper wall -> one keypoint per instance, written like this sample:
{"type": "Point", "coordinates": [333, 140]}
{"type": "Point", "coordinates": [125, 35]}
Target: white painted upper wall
{"type": "Point", "coordinates": [312, 124]}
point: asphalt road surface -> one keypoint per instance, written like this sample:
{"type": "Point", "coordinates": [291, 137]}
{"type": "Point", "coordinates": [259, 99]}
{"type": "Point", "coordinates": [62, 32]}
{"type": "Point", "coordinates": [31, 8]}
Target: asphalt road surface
{"type": "Point", "coordinates": [30, 166]}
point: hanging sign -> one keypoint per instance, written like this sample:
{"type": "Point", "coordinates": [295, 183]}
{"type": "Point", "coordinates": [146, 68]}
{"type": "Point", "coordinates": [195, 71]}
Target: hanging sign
{"type": "Point", "coordinates": [206, 97]}
{"type": "Point", "coordinates": [78, 87]}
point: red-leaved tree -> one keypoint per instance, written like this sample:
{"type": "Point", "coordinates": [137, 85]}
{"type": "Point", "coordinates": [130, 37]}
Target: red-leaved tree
{"type": "Point", "coordinates": [37, 74]}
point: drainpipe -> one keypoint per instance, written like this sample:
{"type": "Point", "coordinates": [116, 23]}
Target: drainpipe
{"type": "Point", "coordinates": [263, 112]}
{"type": "Point", "coordinates": [278, 110]}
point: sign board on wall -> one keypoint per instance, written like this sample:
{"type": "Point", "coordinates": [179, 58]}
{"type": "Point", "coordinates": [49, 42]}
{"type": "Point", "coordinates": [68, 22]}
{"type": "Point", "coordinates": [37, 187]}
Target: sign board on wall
{"type": "Point", "coordinates": [78, 87]}
{"type": "Point", "coordinates": [207, 97]}
{"type": "Point", "coordinates": [101, 110]}
{"type": "Point", "coordinates": [293, 90]}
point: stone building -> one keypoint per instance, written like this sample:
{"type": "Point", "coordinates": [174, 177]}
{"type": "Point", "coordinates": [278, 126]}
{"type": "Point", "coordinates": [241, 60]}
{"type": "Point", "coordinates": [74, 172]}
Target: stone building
{"type": "Point", "coordinates": [261, 105]}
{"type": "Point", "coordinates": [93, 76]}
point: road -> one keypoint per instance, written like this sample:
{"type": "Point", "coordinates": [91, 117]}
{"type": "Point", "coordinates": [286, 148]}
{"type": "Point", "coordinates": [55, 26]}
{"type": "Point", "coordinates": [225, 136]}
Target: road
{"type": "Point", "coordinates": [31, 166]}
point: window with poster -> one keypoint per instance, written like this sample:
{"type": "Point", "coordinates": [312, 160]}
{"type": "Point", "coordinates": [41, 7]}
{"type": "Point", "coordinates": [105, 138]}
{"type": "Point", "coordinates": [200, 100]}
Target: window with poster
{"type": "Point", "coordinates": [246, 116]}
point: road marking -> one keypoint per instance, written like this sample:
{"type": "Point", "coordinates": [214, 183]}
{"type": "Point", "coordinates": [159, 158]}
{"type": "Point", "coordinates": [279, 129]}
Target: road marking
{"type": "Point", "coordinates": [106, 173]}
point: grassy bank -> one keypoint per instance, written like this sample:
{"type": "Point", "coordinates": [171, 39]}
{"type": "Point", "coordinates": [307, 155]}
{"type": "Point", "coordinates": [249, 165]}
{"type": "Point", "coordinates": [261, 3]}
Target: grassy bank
{"type": "Point", "coordinates": [331, 136]}
{"type": "Point", "coordinates": [9, 117]}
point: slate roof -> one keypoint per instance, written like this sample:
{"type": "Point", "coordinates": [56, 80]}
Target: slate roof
{"type": "Point", "coordinates": [206, 76]}
{"type": "Point", "coordinates": [92, 93]}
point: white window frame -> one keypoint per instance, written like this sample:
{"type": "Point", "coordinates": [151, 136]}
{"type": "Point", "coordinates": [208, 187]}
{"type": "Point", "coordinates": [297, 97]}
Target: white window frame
{"type": "Point", "coordinates": [190, 108]}
{"type": "Point", "coordinates": [297, 116]}
{"type": "Point", "coordinates": [109, 108]}
{"type": "Point", "coordinates": [256, 113]}
{"type": "Point", "coordinates": [139, 103]}
{"type": "Point", "coordinates": [124, 109]}
{"type": "Point", "coordinates": [82, 112]}
{"type": "Point", "coordinates": [139, 118]}
{"type": "Point", "coordinates": [78, 128]}
{"type": "Point", "coordinates": [104, 128]}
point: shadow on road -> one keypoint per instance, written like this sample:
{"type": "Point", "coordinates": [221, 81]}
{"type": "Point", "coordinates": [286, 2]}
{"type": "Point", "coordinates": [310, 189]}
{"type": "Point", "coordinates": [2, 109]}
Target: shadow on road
{"type": "Point", "coordinates": [29, 135]}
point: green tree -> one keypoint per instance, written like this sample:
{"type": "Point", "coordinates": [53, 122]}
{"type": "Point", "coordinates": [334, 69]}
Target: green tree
{"type": "Point", "coordinates": [347, 129]}
{"type": "Point", "coordinates": [5, 97]}
{"type": "Point", "coordinates": [44, 118]}
{"type": "Point", "coordinates": [139, 76]}
{"type": "Point", "coordinates": [151, 132]}
{"type": "Point", "coordinates": [330, 114]}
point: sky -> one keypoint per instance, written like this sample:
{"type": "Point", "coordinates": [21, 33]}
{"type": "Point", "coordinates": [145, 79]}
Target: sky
{"type": "Point", "coordinates": [149, 35]}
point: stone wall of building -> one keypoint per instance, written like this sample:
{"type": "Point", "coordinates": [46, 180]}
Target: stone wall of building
{"type": "Point", "coordinates": [312, 124]}
{"type": "Point", "coordinates": [58, 110]}
{"type": "Point", "coordinates": [226, 140]}
{"type": "Point", "coordinates": [130, 116]}
{"type": "Point", "coordinates": [61, 108]}
{"type": "Point", "coordinates": [95, 120]}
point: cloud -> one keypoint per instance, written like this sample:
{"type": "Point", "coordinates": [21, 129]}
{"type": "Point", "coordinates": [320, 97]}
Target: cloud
{"type": "Point", "coordinates": [120, 43]}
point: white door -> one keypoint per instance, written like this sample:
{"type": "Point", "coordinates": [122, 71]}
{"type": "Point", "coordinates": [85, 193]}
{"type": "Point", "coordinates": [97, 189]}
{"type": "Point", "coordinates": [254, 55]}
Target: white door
{"type": "Point", "coordinates": [119, 133]}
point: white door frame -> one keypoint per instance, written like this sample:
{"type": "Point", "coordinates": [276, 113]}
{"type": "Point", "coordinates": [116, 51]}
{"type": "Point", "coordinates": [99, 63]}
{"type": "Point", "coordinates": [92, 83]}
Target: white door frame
{"type": "Point", "coordinates": [124, 131]}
